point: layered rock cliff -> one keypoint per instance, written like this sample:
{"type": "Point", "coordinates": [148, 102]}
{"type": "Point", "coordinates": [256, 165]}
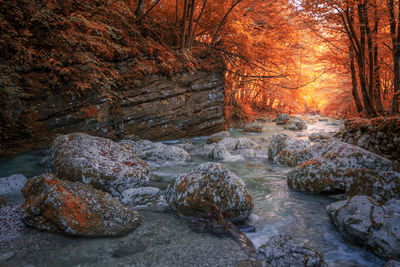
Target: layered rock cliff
{"type": "Point", "coordinates": [89, 66]}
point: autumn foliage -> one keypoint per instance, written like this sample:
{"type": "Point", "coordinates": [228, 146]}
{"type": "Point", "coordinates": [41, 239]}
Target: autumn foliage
{"type": "Point", "coordinates": [335, 57]}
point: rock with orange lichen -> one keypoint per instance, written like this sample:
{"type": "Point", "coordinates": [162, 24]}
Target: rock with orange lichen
{"type": "Point", "coordinates": [207, 187]}
{"type": "Point", "coordinates": [344, 168]}
{"type": "Point", "coordinates": [74, 208]}
{"type": "Point", "coordinates": [289, 151]}
{"type": "Point", "coordinates": [106, 165]}
{"type": "Point", "coordinates": [363, 221]}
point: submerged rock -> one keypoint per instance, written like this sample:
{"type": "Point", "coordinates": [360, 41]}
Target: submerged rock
{"type": "Point", "coordinates": [130, 249]}
{"type": "Point", "coordinates": [156, 151]}
{"type": "Point", "coordinates": [362, 221]}
{"type": "Point", "coordinates": [282, 118]}
{"type": "Point", "coordinates": [280, 251]}
{"type": "Point", "coordinates": [109, 166]}
{"type": "Point", "coordinates": [215, 138]}
{"type": "Point", "coordinates": [336, 169]}
{"type": "Point", "coordinates": [144, 198]}
{"type": "Point", "coordinates": [289, 151]}
{"type": "Point", "coordinates": [210, 186]}
{"type": "Point", "coordinates": [74, 208]}
{"type": "Point", "coordinates": [295, 124]}
{"type": "Point", "coordinates": [12, 183]}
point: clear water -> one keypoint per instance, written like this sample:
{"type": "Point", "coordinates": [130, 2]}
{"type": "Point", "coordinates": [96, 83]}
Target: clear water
{"type": "Point", "coordinates": [278, 210]}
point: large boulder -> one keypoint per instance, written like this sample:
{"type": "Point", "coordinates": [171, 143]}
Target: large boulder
{"type": "Point", "coordinates": [280, 251]}
{"type": "Point", "coordinates": [74, 208]}
{"type": "Point", "coordinates": [207, 187]}
{"type": "Point", "coordinates": [295, 124]}
{"type": "Point", "coordinates": [289, 151]}
{"type": "Point", "coordinates": [364, 222]}
{"type": "Point", "coordinates": [215, 138]}
{"type": "Point", "coordinates": [335, 170]}
{"type": "Point", "coordinates": [144, 198]}
{"type": "Point", "coordinates": [12, 183]}
{"type": "Point", "coordinates": [282, 118]}
{"type": "Point", "coordinates": [156, 151]}
{"type": "Point", "coordinates": [109, 166]}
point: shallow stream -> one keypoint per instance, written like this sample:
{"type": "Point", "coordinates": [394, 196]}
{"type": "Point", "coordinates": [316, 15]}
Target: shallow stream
{"type": "Point", "coordinates": [170, 241]}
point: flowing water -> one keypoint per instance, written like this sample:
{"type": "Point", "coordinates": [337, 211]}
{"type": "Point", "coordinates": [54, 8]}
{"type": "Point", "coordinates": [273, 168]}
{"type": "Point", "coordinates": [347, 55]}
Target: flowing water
{"type": "Point", "coordinates": [278, 210]}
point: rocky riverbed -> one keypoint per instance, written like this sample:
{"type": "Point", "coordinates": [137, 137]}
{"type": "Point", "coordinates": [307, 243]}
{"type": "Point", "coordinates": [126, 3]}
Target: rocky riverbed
{"type": "Point", "coordinates": [291, 225]}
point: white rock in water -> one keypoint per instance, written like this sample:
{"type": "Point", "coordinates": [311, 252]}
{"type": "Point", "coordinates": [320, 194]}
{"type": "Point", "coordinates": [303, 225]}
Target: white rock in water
{"type": "Point", "coordinates": [295, 124]}
{"type": "Point", "coordinates": [289, 151]}
{"type": "Point", "coordinates": [362, 221]}
{"type": "Point", "coordinates": [216, 151]}
{"type": "Point", "coordinates": [215, 138]}
{"type": "Point", "coordinates": [238, 143]}
{"type": "Point", "coordinates": [144, 198]}
{"type": "Point", "coordinates": [156, 151]}
{"type": "Point", "coordinates": [13, 183]}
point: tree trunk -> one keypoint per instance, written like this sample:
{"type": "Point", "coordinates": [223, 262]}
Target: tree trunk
{"type": "Point", "coordinates": [368, 105]}
{"type": "Point", "coordinates": [183, 35]}
{"type": "Point", "coordinates": [396, 56]}
{"type": "Point", "coordinates": [354, 82]}
{"type": "Point", "coordinates": [371, 61]}
{"type": "Point", "coordinates": [139, 8]}
{"type": "Point", "coordinates": [377, 79]}
{"type": "Point", "coordinates": [190, 30]}
{"type": "Point", "coordinates": [177, 12]}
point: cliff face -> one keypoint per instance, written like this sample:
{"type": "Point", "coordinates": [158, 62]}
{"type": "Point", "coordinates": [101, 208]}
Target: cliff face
{"type": "Point", "coordinates": [88, 66]}
{"type": "Point", "coordinates": [159, 108]}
